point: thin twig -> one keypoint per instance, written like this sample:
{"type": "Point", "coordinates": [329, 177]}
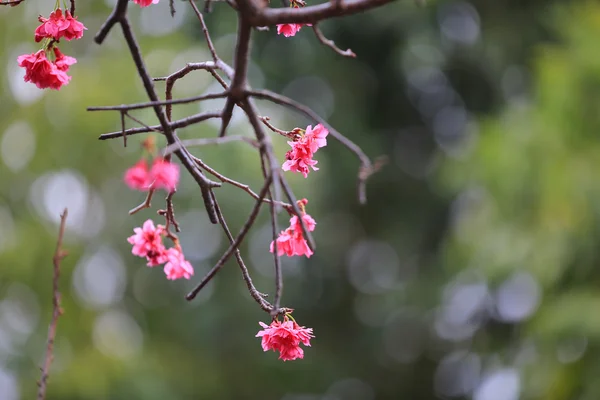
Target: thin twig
{"type": "Point", "coordinates": [204, 183]}
{"type": "Point", "coordinates": [145, 204]}
{"type": "Point", "coordinates": [366, 166]}
{"type": "Point", "coordinates": [277, 262]}
{"type": "Point", "coordinates": [292, 199]}
{"type": "Point", "coordinates": [129, 107]}
{"type": "Point", "coordinates": [242, 186]}
{"type": "Point", "coordinates": [331, 44]}
{"type": "Point", "coordinates": [287, 134]}
{"type": "Point", "coordinates": [180, 123]}
{"type": "Point", "coordinates": [11, 3]}
{"type": "Point", "coordinates": [210, 141]}
{"type": "Point", "coordinates": [235, 244]}
{"type": "Point", "coordinates": [266, 16]}
{"type": "Point", "coordinates": [256, 295]}
{"type": "Point", "coordinates": [59, 255]}
{"type": "Point", "coordinates": [209, 42]}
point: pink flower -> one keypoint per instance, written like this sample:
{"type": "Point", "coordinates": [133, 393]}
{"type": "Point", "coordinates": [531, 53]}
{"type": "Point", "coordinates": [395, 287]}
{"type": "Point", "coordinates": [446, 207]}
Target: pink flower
{"type": "Point", "coordinates": [63, 62]}
{"type": "Point", "coordinates": [300, 158]}
{"type": "Point", "coordinates": [145, 3]}
{"type": "Point", "coordinates": [147, 242]}
{"type": "Point", "coordinates": [315, 138]}
{"type": "Point", "coordinates": [75, 28]}
{"type": "Point", "coordinates": [40, 71]}
{"type": "Point", "coordinates": [59, 25]}
{"type": "Point", "coordinates": [52, 27]}
{"type": "Point", "coordinates": [177, 266]}
{"type": "Point", "coordinates": [164, 174]}
{"type": "Point", "coordinates": [138, 176]}
{"type": "Point", "coordinates": [288, 29]}
{"type": "Point", "coordinates": [285, 337]}
{"type": "Point", "coordinates": [291, 242]}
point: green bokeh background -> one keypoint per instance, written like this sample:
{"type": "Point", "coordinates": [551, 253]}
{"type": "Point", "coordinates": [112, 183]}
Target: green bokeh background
{"type": "Point", "coordinates": [472, 272]}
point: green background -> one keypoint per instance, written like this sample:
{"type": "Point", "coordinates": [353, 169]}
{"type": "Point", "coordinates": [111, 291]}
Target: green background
{"type": "Point", "coordinates": [470, 274]}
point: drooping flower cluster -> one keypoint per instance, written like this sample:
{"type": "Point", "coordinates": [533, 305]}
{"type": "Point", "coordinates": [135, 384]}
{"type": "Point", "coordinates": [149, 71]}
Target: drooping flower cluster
{"type": "Point", "coordinates": [289, 30]}
{"type": "Point", "coordinates": [285, 337]}
{"type": "Point", "coordinates": [163, 175]}
{"type": "Point", "coordinates": [291, 241]}
{"type": "Point", "coordinates": [145, 3]}
{"type": "Point", "coordinates": [148, 242]}
{"type": "Point", "coordinates": [300, 157]}
{"type": "Point", "coordinates": [48, 67]}
{"type": "Point", "coordinates": [59, 25]}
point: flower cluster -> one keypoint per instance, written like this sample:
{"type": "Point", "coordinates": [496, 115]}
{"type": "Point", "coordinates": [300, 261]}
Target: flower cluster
{"type": "Point", "coordinates": [59, 25]}
{"type": "Point", "coordinates": [285, 337]}
{"type": "Point", "coordinates": [48, 67]}
{"type": "Point", "coordinates": [148, 242]}
{"type": "Point", "coordinates": [289, 30]}
{"type": "Point", "coordinates": [163, 175]}
{"type": "Point", "coordinates": [145, 3]}
{"type": "Point", "coordinates": [300, 157]}
{"type": "Point", "coordinates": [291, 241]}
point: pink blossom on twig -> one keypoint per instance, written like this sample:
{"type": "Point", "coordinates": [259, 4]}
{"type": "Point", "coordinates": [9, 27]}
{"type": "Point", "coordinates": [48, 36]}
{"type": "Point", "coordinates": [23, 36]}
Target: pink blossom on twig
{"type": "Point", "coordinates": [164, 175]}
{"type": "Point", "coordinates": [145, 3]}
{"type": "Point", "coordinates": [300, 157]}
{"type": "Point", "coordinates": [147, 242]}
{"type": "Point", "coordinates": [138, 176]}
{"type": "Point", "coordinates": [291, 241]}
{"type": "Point", "coordinates": [177, 266]}
{"type": "Point", "coordinates": [43, 73]}
{"type": "Point", "coordinates": [285, 337]}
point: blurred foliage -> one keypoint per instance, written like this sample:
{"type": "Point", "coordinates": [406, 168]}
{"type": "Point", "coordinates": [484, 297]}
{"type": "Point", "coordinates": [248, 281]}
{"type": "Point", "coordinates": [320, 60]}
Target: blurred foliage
{"type": "Point", "coordinates": [470, 273]}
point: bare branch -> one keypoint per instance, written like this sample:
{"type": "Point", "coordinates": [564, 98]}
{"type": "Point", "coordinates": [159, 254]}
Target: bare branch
{"type": "Point", "coordinates": [11, 3]}
{"type": "Point", "coordinates": [242, 186]}
{"type": "Point", "coordinates": [277, 263]}
{"type": "Point", "coordinates": [256, 295]}
{"type": "Point", "coordinates": [331, 44]}
{"type": "Point", "coordinates": [211, 141]}
{"type": "Point", "coordinates": [129, 107]}
{"type": "Point", "coordinates": [145, 204]}
{"type": "Point", "coordinates": [209, 42]}
{"type": "Point", "coordinates": [366, 165]}
{"type": "Point", "coordinates": [307, 15]}
{"type": "Point", "coordinates": [235, 244]}
{"type": "Point", "coordinates": [59, 255]}
{"type": "Point", "coordinates": [180, 123]}
{"type": "Point", "coordinates": [117, 15]}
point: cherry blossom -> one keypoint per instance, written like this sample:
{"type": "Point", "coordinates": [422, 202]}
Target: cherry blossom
{"type": "Point", "coordinates": [316, 137]}
{"type": "Point", "coordinates": [177, 266]}
{"type": "Point", "coordinates": [288, 30]}
{"type": "Point", "coordinates": [285, 337]}
{"type": "Point", "coordinates": [300, 157]}
{"type": "Point", "coordinates": [291, 241]}
{"type": "Point", "coordinates": [145, 3]}
{"type": "Point", "coordinates": [164, 175]}
{"type": "Point", "coordinates": [75, 28]}
{"type": "Point", "coordinates": [43, 73]}
{"type": "Point", "coordinates": [138, 176]}
{"type": "Point", "coordinates": [63, 62]}
{"type": "Point", "coordinates": [59, 25]}
{"type": "Point", "coordinates": [147, 242]}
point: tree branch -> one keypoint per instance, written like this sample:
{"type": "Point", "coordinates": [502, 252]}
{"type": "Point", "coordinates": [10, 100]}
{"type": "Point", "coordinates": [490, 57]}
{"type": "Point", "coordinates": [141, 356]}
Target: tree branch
{"type": "Point", "coordinates": [59, 255]}
{"type": "Point", "coordinates": [235, 244]}
{"type": "Point", "coordinates": [180, 123]}
{"type": "Point", "coordinates": [366, 168]}
{"type": "Point", "coordinates": [331, 44]}
{"type": "Point", "coordinates": [308, 15]}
